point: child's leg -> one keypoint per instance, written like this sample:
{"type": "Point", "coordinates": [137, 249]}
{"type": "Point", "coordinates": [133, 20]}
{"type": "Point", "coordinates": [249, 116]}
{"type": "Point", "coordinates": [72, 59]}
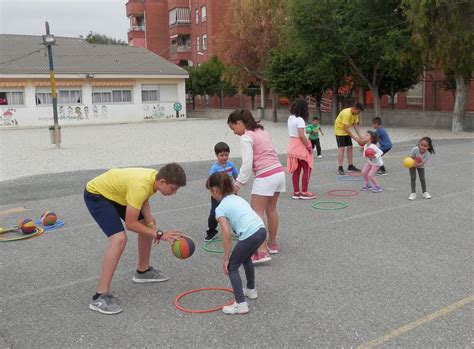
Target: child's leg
{"type": "Point", "coordinates": [421, 172]}
{"type": "Point", "coordinates": [211, 221]}
{"type": "Point", "coordinates": [272, 218]}
{"type": "Point", "coordinates": [112, 255]}
{"type": "Point", "coordinates": [241, 254]}
{"type": "Point", "coordinates": [296, 178]}
{"type": "Point", "coordinates": [371, 175]}
{"type": "Point", "coordinates": [306, 176]}
{"type": "Point", "coordinates": [365, 173]}
{"type": "Point", "coordinates": [144, 251]}
{"type": "Point", "coordinates": [413, 179]}
{"type": "Point", "coordinates": [318, 146]}
{"type": "Point", "coordinates": [313, 143]}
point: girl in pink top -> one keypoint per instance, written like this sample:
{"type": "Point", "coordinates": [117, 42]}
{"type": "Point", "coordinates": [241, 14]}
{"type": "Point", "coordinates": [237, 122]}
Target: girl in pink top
{"type": "Point", "coordinates": [259, 159]}
{"type": "Point", "coordinates": [300, 151]}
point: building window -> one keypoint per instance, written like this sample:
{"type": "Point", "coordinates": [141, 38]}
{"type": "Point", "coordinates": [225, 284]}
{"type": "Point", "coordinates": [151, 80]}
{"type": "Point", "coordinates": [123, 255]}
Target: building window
{"type": "Point", "coordinates": [69, 97]}
{"type": "Point", "coordinates": [415, 94]}
{"type": "Point", "coordinates": [150, 93]}
{"type": "Point", "coordinates": [172, 17]}
{"type": "Point", "coordinates": [204, 41]}
{"type": "Point", "coordinates": [203, 13]}
{"type": "Point", "coordinates": [198, 46]}
{"type": "Point", "coordinates": [11, 98]}
{"type": "Point", "coordinates": [196, 16]}
{"type": "Point", "coordinates": [64, 97]}
{"type": "Point", "coordinates": [112, 96]}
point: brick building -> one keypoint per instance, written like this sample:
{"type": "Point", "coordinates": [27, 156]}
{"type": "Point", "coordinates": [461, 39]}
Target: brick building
{"type": "Point", "coordinates": [182, 31]}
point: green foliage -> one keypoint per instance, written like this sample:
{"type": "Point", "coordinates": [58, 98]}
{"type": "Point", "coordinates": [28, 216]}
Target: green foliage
{"type": "Point", "coordinates": [208, 78]}
{"type": "Point", "coordinates": [291, 74]}
{"type": "Point", "coordinates": [444, 30]}
{"type": "Point", "coordinates": [366, 39]}
{"type": "Point", "coordinates": [95, 38]}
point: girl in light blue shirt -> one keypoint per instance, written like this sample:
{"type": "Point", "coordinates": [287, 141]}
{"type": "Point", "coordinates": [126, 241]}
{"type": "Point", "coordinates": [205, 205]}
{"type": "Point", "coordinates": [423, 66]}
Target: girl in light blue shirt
{"type": "Point", "coordinates": [234, 213]}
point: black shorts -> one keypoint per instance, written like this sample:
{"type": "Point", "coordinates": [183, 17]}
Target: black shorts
{"type": "Point", "coordinates": [107, 213]}
{"type": "Point", "coordinates": [343, 141]}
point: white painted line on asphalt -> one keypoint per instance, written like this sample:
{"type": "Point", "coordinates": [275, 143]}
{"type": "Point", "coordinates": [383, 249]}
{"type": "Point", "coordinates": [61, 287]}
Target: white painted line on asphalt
{"type": "Point", "coordinates": [412, 325]}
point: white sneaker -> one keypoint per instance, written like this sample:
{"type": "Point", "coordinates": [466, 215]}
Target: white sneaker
{"type": "Point", "coordinates": [320, 156]}
{"type": "Point", "coordinates": [236, 308]}
{"type": "Point", "coordinates": [412, 196]}
{"type": "Point", "coordinates": [250, 293]}
{"type": "Point", "coordinates": [426, 195]}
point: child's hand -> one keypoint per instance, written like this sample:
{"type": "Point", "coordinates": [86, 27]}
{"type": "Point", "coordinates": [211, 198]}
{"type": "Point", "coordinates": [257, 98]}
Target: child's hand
{"type": "Point", "coordinates": [226, 267]}
{"type": "Point", "coordinates": [171, 236]}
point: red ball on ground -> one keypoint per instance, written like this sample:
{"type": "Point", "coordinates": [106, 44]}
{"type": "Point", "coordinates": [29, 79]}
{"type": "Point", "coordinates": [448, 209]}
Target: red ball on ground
{"type": "Point", "coordinates": [27, 226]}
{"type": "Point", "coordinates": [48, 218]}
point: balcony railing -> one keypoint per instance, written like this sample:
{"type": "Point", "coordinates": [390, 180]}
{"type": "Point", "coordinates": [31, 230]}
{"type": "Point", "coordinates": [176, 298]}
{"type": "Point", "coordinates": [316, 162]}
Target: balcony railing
{"type": "Point", "coordinates": [177, 49]}
{"type": "Point", "coordinates": [137, 28]}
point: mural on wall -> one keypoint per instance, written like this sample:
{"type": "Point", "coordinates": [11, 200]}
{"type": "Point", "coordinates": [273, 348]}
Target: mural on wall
{"type": "Point", "coordinates": [77, 113]}
{"type": "Point", "coordinates": [8, 117]}
{"type": "Point", "coordinates": [159, 112]}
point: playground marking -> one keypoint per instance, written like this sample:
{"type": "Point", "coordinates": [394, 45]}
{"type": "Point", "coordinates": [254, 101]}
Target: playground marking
{"type": "Point", "coordinates": [412, 325]}
{"type": "Point", "coordinates": [14, 210]}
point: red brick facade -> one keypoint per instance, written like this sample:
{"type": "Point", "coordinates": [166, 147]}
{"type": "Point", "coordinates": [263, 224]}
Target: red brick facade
{"type": "Point", "coordinates": [182, 31]}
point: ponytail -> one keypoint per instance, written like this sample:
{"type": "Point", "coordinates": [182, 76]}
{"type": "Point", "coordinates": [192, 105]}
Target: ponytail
{"type": "Point", "coordinates": [246, 117]}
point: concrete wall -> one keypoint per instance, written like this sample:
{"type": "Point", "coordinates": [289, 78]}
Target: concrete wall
{"type": "Point", "coordinates": [29, 114]}
{"type": "Point", "coordinates": [390, 118]}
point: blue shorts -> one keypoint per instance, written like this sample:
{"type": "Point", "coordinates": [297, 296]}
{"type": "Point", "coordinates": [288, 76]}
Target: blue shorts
{"type": "Point", "coordinates": [107, 213]}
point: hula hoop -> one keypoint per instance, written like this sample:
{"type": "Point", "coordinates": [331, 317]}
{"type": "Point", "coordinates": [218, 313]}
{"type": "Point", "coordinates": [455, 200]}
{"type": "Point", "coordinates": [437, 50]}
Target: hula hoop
{"type": "Point", "coordinates": [201, 311]}
{"type": "Point", "coordinates": [206, 248]}
{"type": "Point", "coordinates": [55, 226]}
{"type": "Point", "coordinates": [340, 205]}
{"type": "Point", "coordinates": [349, 178]}
{"type": "Point", "coordinates": [38, 232]}
{"type": "Point", "coordinates": [342, 192]}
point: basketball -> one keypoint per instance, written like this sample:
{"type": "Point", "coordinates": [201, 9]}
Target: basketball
{"type": "Point", "coordinates": [408, 162]}
{"type": "Point", "coordinates": [369, 152]}
{"type": "Point", "coordinates": [183, 247]}
{"type": "Point", "coordinates": [48, 218]}
{"type": "Point", "coordinates": [27, 226]}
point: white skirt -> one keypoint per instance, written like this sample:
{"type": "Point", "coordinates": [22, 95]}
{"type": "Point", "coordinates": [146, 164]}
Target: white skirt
{"type": "Point", "coordinates": [268, 186]}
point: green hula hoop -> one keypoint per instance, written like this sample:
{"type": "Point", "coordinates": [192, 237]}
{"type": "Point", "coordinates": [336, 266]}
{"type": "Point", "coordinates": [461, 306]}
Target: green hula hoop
{"type": "Point", "coordinates": [206, 248]}
{"type": "Point", "coordinates": [38, 231]}
{"type": "Point", "coordinates": [339, 205]}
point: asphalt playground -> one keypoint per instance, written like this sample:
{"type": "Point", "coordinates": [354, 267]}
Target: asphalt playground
{"type": "Point", "coordinates": [382, 272]}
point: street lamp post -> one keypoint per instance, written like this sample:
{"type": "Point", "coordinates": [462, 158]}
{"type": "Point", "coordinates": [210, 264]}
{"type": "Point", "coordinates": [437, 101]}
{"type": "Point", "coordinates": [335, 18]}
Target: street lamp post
{"type": "Point", "coordinates": [48, 41]}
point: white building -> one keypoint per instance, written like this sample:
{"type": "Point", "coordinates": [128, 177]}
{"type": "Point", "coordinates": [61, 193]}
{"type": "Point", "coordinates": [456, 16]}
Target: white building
{"type": "Point", "coordinates": [95, 83]}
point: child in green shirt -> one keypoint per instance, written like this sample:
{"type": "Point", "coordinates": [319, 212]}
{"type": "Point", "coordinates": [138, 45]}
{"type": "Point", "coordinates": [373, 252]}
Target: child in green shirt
{"type": "Point", "coordinates": [314, 129]}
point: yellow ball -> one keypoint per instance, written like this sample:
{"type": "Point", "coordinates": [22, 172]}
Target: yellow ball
{"type": "Point", "coordinates": [408, 162]}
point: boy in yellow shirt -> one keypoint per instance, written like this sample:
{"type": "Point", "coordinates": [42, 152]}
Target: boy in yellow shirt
{"type": "Point", "coordinates": [122, 194]}
{"type": "Point", "coordinates": [347, 118]}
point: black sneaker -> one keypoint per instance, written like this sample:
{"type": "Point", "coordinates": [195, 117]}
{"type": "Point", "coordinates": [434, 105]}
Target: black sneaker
{"type": "Point", "coordinates": [352, 168]}
{"type": "Point", "coordinates": [210, 236]}
{"type": "Point", "coordinates": [340, 171]}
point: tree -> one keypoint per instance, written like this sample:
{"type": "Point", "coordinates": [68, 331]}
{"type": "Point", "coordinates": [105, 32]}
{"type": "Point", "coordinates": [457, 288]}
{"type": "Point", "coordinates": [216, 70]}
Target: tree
{"type": "Point", "coordinates": [444, 31]}
{"type": "Point", "coordinates": [208, 78]}
{"type": "Point", "coordinates": [249, 32]}
{"type": "Point", "coordinates": [368, 39]}
{"type": "Point", "coordinates": [95, 38]}
{"type": "Point", "coordinates": [309, 30]}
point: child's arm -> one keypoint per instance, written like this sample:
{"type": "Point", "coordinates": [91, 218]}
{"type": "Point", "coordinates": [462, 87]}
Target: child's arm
{"type": "Point", "coordinates": [309, 129]}
{"type": "Point", "coordinates": [227, 241]}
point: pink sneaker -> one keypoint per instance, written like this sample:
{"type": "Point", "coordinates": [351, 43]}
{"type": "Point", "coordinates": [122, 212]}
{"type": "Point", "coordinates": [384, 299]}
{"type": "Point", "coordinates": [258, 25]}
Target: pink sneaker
{"type": "Point", "coordinates": [273, 248]}
{"type": "Point", "coordinates": [260, 257]}
{"type": "Point", "coordinates": [307, 196]}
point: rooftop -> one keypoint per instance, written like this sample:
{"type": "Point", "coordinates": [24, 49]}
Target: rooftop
{"type": "Point", "coordinates": [26, 54]}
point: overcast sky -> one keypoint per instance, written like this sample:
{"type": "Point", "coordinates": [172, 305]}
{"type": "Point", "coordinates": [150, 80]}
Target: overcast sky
{"type": "Point", "coordinates": [65, 17]}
